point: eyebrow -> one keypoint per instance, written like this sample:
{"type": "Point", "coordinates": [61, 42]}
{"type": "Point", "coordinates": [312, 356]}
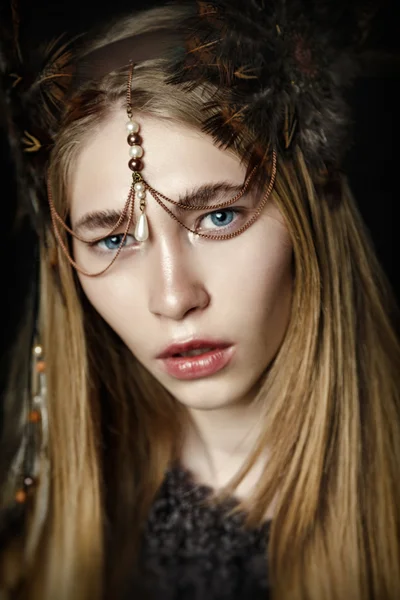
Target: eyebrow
{"type": "Point", "coordinates": [199, 196]}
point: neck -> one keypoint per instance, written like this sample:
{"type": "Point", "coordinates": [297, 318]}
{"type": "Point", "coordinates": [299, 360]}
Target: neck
{"type": "Point", "coordinates": [218, 442]}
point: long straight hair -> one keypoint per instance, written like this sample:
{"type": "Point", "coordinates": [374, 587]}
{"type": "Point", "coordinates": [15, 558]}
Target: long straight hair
{"type": "Point", "coordinates": [330, 399]}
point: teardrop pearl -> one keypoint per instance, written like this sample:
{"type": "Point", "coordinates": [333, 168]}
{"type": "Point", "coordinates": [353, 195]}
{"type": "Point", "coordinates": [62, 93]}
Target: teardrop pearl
{"type": "Point", "coordinates": [142, 229]}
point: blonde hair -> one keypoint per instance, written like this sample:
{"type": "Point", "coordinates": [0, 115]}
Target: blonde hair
{"type": "Point", "coordinates": [332, 424]}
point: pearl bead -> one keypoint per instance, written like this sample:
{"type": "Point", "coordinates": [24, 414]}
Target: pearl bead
{"type": "Point", "coordinates": [140, 195]}
{"type": "Point", "coordinates": [136, 151]}
{"type": "Point", "coordinates": [132, 127]}
{"type": "Point", "coordinates": [139, 187]}
{"type": "Point", "coordinates": [134, 138]}
{"type": "Point", "coordinates": [135, 164]}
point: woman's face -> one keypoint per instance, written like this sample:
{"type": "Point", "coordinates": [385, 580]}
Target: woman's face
{"type": "Point", "coordinates": [204, 317]}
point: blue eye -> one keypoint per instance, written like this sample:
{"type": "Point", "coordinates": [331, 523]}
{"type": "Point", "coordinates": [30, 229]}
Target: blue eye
{"type": "Point", "coordinates": [113, 242]}
{"type": "Point", "coordinates": [221, 218]}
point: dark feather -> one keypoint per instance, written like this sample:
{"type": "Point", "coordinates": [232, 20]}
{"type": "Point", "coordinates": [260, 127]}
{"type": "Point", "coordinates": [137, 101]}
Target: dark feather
{"type": "Point", "coordinates": [33, 87]}
{"type": "Point", "coordinates": [282, 68]}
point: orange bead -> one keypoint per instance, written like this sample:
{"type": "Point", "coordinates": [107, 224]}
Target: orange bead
{"type": "Point", "coordinates": [20, 496]}
{"type": "Point", "coordinates": [53, 257]}
{"type": "Point", "coordinates": [34, 416]}
{"type": "Point", "coordinates": [40, 366]}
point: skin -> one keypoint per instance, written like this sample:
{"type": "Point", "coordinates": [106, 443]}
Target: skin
{"type": "Point", "coordinates": [177, 286]}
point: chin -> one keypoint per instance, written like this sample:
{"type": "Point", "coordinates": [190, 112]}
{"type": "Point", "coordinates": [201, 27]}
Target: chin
{"type": "Point", "coordinates": [204, 403]}
{"type": "Point", "coordinates": [205, 395]}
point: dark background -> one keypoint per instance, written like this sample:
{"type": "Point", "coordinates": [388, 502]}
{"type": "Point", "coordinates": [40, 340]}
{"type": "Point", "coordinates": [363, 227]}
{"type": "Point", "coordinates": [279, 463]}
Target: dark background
{"type": "Point", "coordinates": [372, 163]}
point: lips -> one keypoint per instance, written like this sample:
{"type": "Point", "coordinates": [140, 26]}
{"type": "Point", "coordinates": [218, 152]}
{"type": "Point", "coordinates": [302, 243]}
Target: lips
{"type": "Point", "coordinates": [196, 359]}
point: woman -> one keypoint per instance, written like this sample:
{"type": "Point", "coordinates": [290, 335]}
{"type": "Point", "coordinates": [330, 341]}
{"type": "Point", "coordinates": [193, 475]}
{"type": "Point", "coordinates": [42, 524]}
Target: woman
{"type": "Point", "coordinates": [220, 365]}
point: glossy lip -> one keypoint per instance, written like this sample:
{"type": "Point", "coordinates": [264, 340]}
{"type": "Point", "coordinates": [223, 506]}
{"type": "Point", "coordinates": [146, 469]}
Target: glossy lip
{"type": "Point", "coordinates": [195, 367]}
{"type": "Point", "coordinates": [193, 344]}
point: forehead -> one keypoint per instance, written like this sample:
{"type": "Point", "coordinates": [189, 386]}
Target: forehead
{"type": "Point", "coordinates": [176, 159]}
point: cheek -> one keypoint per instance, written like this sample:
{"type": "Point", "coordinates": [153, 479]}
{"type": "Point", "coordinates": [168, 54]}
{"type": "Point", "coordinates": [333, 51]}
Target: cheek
{"type": "Point", "coordinates": [264, 297]}
{"type": "Point", "coordinates": [116, 299]}
{"type": "Point", "coordinates": [257, 277]}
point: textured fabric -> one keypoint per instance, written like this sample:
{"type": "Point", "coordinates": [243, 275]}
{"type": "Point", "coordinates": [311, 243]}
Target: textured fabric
{"type": "Point", "coordinates": [196, 551]}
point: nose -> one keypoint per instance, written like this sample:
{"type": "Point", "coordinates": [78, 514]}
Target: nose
{"type": "Point", "coordinates": [176, 287]}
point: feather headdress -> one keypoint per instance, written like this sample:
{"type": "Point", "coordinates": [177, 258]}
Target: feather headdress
{"type": "Point", "coordinates": [282, 68]}
{"type": "Point", "coordinates": [33, 87]}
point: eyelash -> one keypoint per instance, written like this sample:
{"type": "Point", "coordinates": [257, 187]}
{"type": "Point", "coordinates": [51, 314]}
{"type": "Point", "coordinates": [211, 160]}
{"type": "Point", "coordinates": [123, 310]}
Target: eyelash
{"type": "Point", "coordinates": [96, 245]}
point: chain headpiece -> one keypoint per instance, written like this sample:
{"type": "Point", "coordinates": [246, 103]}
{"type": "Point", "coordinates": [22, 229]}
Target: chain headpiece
{"type": "Point", "coordinates": [138, 190]}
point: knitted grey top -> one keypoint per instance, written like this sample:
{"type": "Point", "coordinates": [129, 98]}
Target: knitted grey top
{"type": "Point", "coordinates": [196, 551]}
